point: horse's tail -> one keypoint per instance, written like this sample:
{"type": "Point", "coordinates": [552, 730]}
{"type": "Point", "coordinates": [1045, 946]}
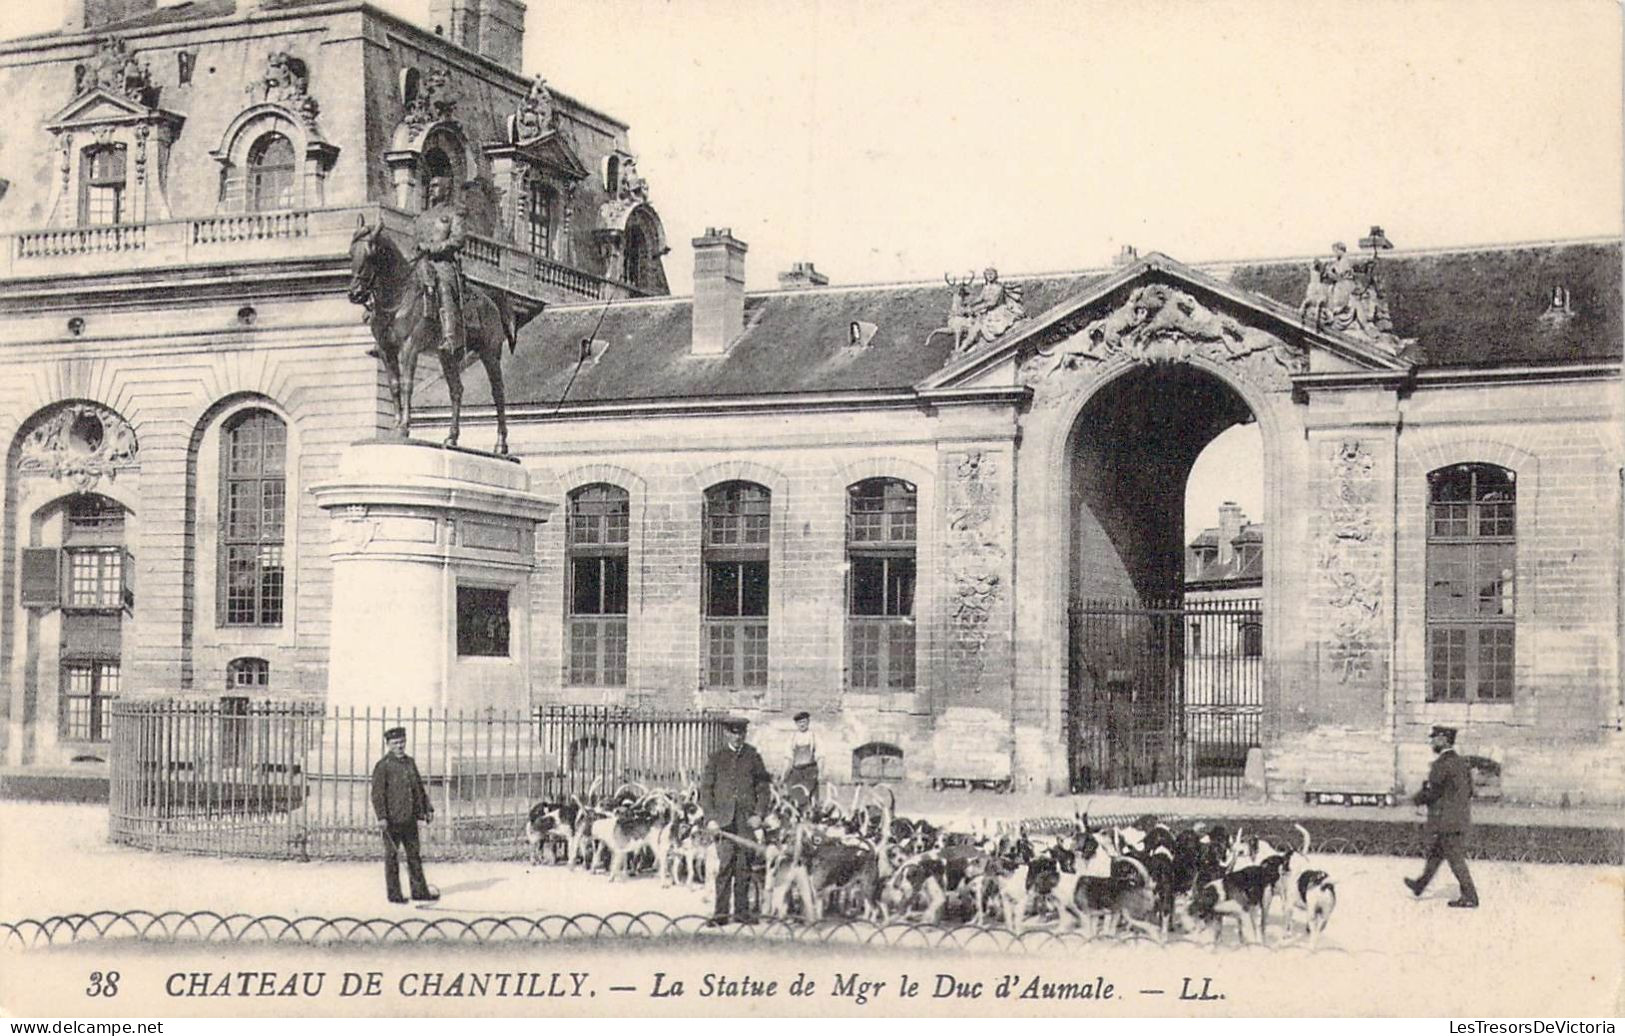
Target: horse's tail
{"type": "Point", "coordinates": [509, 329]}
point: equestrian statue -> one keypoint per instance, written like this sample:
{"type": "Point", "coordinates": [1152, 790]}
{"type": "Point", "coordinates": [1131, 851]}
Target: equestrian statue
{"type": "Point", "coordinates": [424, 303]}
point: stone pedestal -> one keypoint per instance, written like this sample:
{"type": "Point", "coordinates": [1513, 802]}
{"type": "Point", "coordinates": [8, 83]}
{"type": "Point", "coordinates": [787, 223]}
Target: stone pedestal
{"type": "Point", "coordinates": [418, 528]}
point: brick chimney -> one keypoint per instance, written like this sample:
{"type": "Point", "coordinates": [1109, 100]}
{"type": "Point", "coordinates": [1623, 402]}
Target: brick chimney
{"type": "Point", "coordinates": [1231, 519]}
{"type": "Point", "coordinates": [802, 275]}
{"type": "Point", "coordinates": [491, 28]}
{"type": "Point", "coordinates": [719, 291]}
{"type": "Point", "coordinates": [86, 15]}
{"type": "Point", "coordinates": [1126, 256]}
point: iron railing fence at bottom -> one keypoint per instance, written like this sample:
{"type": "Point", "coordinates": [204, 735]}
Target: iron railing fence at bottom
{"type": "Point", "coordinates": [280, 780]}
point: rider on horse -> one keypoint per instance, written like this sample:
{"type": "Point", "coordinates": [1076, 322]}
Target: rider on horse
{"type": "Point", "coordinates": [440, 236]}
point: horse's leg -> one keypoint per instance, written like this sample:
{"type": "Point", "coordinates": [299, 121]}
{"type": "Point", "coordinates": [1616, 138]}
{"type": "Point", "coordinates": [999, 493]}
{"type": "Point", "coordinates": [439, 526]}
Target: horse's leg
{"type": "Point", "coordinates": [409, 373]}
{"type": "Point", "coordinates": [491, 356]}
{"type": "Point", "coordinates": [454, 386]}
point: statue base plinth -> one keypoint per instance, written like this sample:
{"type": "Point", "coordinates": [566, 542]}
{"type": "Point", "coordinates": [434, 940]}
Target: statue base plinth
{"type": "Point", "coordinates": [433, 549]}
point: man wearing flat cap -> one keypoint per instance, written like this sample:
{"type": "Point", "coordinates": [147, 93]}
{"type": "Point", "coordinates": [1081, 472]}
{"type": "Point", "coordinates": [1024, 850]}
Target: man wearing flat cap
{"type": "Point", "coordinates": [735, 793]}
{"type": "Point", "coordinates": [1448, 794]}
{"type": "Point", "coordinates": [400, 801]}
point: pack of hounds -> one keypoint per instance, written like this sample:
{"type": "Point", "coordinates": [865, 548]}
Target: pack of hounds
{"type": "Point", "coordinates": [1143, 879]}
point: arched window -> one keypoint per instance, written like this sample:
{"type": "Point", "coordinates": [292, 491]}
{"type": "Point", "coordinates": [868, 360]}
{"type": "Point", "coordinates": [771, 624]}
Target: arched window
{"type": "Point", "coordinates": [1471, 566]}
{"type": "Point", "coordinates": [880, 556]}
{"type": "Point", "coordinates": [101, 185]}
{"type": "Point", "coordinates": [877, 761]}
{"type": "Point", "coordinates": [637, 252]}
{"type": "Point", "coordinates": [270, 173]}
{"type": "Point", "coordinates": [734, 551]}
{"type": "Point", "coordinates": [253, 501]}
{"type": "Point", "coordinates": [543, 206]}
{"type": "Point", "coordinates": [248, 677]}
{"type": "Point", "coordinates": [598, 534]}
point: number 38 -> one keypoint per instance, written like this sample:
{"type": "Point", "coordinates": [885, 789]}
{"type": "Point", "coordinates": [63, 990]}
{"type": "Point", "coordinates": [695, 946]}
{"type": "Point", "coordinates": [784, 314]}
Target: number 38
{"type": "Point", "coordinates": [102, 984]}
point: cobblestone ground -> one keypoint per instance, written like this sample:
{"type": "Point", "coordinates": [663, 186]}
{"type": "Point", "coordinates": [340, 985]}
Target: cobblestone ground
{"type": "Point", "coordinates": [1550, 939]}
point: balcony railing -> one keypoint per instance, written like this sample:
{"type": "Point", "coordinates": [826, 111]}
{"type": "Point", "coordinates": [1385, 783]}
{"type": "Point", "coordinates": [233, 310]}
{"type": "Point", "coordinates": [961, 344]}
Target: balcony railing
{"type": "Point", "coordinates": [274, 236]}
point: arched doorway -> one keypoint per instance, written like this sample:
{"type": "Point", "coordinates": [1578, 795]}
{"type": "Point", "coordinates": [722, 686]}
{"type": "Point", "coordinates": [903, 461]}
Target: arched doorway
{"type": "Point", "coordinates": [1150, 710]}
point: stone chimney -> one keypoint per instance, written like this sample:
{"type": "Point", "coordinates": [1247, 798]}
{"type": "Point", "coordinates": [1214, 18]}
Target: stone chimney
{"type": "Point", "coordinates": [88, 15]}
{"type": "Point", "coordinates": [491, 28]}
{"type": "Point", "coordinates": [1231, 519]}
{"type": "Point", "coordinates": [719, 291]}
{"type": "Point", "coordinates": [802, 275]}
{"type": "Point", "coordinates": [1125, 257]}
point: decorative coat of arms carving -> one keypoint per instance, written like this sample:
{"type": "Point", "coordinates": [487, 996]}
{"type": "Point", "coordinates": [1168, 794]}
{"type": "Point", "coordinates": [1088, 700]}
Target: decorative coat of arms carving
{"type": "Point", "coordinates": [975, 560]}
{"type": "Point", "coordinates": [116, 70]}
{"type": "Point", "coordinates": [1354, 585]}
{"type": "Point", "coordinates": [80, 443]}
{"type": "Point", "coordinates": [286, 82]}
{"type": "Point", "coordinates": [980, 315]}
{"type": "Point", "coordinates": [435, 100]}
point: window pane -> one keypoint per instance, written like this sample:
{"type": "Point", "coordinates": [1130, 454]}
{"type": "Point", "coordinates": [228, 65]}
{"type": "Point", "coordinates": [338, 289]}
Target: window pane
{"type": "Point", "coordinates": [1449, 568]}
{"type": "Point", "coordinates": [270, 559]}
{"type": "Point", "coordinates": [242, 583]}
{"type": "Point", "coordinates": [615, 586]}
{"type": "Point", "coordinates": [584, 653]}
{"type": "Point", "coordinates": [1493, 579]}
{"type": "Point", "coordinates": [1447, 664]}
{"type": "Point", "coordinates": [868, 586]}
{"type": "Point", "coordinates": [753, 588]}
{"type": "Point", "coordinates": [863, 669]}
{"type": "Point", "coordinates": [900, 657]}
{"type": "Point", "coordinates": [587, 594]}
{"type": "Point", "coordinates": [1494, 663]}
{"type": "Point", "coordinates": [720, 655]}
{"type": "Point", "coordinates": [614, 656]}
{"type": "Point", "coordinates": [722, 589]}
{"type": "Point", "coordinates": [899, 586]}
{"type": "Point", "coordinates": [1451, 484]}
{"type": "Point", "coordinates": [1494, 485]}
{"type": "Point", "coordinates": [753, 656]}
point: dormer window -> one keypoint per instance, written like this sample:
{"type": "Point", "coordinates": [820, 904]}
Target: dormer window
{"type": "Point", "coordinates": [270, 173]}
{"type": "Point", "coordinates": [101, 185]}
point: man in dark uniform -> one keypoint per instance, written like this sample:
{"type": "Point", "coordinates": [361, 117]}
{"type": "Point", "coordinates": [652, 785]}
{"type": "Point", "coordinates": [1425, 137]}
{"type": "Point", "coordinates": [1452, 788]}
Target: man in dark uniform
{"type": "Point", "coordinates": [439, 237]}
{"type": "Point", "coordinates": [1447, 794]}
{"type": "Point", "coordinates": [400, 801]}
{"type": "Point", "coordinates": [735, 793]}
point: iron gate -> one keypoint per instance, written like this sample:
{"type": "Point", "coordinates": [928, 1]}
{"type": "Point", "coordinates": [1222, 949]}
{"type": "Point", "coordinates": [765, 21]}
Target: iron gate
{"type": "Point", "coordinates": [1165, 697]}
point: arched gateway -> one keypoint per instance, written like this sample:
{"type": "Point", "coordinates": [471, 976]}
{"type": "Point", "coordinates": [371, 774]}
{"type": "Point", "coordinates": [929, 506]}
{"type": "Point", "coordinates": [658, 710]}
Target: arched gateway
{"type": "Point", "coordinates": [1130, 380]}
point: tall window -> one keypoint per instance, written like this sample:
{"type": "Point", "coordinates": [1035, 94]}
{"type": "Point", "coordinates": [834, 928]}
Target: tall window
{"type": "Point", "coordinates": [87, 687]}
{"type": "Point", "coordinates": [734, 550]}
{"type": "Point", "coordinates": [880, 554]}
{"type": "Point", "coordinates": [598, 534]}
{"type": "Point", "coordinates": [101, 185]}
{"type": "Point", "coordinates": [1471, 564]}
{"type": "Point", "coordinates": [270, 173]}
{"type": "Point", "coordinates": [253, 491]}
{"type": "Point", "coordinates": [542, 203]}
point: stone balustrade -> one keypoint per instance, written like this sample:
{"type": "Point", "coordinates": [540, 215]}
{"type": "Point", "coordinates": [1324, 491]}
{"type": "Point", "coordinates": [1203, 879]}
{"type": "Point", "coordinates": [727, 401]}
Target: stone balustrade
{"type": "Point", "coordinates": [273, 236]}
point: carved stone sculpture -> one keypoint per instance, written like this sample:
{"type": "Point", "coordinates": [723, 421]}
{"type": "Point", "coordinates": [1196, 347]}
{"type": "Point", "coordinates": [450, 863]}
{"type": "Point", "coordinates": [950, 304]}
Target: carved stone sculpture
{"type": "Point", "coordinates": [286, 81]}
{"type": "Point", "coordinates": [80, 442]}
{"type": "Point", "coordinates": [115, 69]}
{"type": "Point", "coordinates": [1343, 295]}
{"type": "Point", "coordinates": [435, 100]}
{"type": "Point", "coordinates": [978, 315]}
{"type": "Point", "coordinates": [536, 114]}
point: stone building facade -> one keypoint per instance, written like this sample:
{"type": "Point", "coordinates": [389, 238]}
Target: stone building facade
{"type": "Point", "coordinates": [883, 504]}
{"type": "Point", "coordinates": [179, 187]}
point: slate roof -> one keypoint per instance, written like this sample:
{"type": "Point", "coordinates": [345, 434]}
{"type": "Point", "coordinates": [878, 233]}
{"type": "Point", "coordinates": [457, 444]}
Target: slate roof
{"type": "Point", "coordinates": [1198, 569]}
{"type": "Point", "coordinates": [1478, 307]}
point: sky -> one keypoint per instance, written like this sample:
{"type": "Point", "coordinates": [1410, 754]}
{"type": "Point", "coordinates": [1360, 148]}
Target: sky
{"type": "Point", "coordinates": [900, 140]}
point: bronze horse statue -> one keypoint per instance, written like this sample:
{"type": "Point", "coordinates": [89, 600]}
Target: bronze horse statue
{"type": "Point", "coordinates": [405, 322]}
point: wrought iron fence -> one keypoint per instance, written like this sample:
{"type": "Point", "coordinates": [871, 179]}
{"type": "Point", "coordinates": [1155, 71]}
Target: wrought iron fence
{"type": "Point", "coordinates": [294, 781]}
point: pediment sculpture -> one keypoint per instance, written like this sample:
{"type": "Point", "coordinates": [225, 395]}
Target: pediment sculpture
{"type": "Point", "coordinates": [116, 70]}
{"type": "Point", "coordinates": [1343, 295]}
{"type": "Point", "coordinates": [80, 442]}
{"type": "Point", "coordinates": [980, 315]}
{"type": "Point", "coordinates": [286, 82]}
{"type": "Point", "coordinates": [631, 190]}
{"type": "Point", "coordinates": [536, 115]}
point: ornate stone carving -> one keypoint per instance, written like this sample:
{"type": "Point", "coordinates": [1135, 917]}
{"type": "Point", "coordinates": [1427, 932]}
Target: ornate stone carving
{"type": "Point", "coordinates": [980, 315]}
{"type": "Point", "coordinates": [1348, 565]}
{"type": "Point", "coordinates": [116, 70]}
{"type": "Point", "coordinates": [536, 114]}
{"type": "Point", "coordinates": [1343, 295]}
{"type": "Point", "coordinates": [286, 82]}
{"type": "Point", "coordinates": [435, 100]}
{"type": "Point", "coordinates": [1159, 323]}
{"type": "Point", "coordinates": [631, 190]}
{"type": "Point", "coordinates": [79, 442]}
{"type": "Point", "coordinates": [975, 561]}
{"type": "Point", "coordinates": [1560, 308]}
